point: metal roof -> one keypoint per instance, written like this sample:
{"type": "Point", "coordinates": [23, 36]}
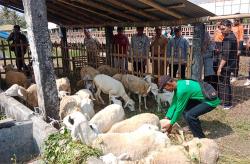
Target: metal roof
{"type": "Point", "coordinates": [115, 12]}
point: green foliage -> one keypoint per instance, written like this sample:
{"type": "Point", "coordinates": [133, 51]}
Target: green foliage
{"type": "Point", "coordinates": [60, 149]}
{"type": "Point", "coordinates": [8, 16]}
{"type": "Point", "coordinates": [2, 116]}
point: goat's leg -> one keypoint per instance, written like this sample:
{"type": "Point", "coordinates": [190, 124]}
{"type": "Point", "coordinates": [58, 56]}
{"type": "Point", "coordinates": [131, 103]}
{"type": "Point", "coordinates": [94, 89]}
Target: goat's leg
{"type": "Point", "coordinates": [145, 102]}
{"type": "Point", "coordinates": [110, 98]}
{"type": "Point", "coordinates": [139, 102]}
{"type": "Point", "coordinates": [98, 95]}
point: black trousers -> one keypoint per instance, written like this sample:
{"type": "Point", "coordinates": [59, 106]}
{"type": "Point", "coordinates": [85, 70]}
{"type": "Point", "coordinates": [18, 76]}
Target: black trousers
{"type": "Point", "coordinates": [141, 66]}
{"type": "Point", "coordinates": [225, 89]}
{"type": "Point", "coordinates": [19, 59]}
{"type": "Point", "coordinates": [193, 110]}
{"type": "Point", "coordinates": [175, 69]}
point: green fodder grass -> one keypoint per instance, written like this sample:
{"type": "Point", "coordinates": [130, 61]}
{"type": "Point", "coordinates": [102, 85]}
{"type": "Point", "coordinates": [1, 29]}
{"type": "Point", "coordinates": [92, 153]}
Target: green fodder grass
{"type": "Point", "coordinates": [59, 148]}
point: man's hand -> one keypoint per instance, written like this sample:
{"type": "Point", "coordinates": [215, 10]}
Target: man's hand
{"type": "Point", "coordinates": [166, 126]}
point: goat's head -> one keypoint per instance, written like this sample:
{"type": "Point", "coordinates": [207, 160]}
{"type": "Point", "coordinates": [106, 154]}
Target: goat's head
{"type": "Point", "coordinates": [14, 90]}
{"type": "Point", "coordinates": [130, 104]}
{"type": "Point", "coordinates": [148, 78]}
{"type": "Point", "coordinates": [61, 94]}
{"type": "Point", "coordinates": [154, 89]}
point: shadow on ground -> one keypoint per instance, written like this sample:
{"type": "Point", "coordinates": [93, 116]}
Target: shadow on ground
{"type": "Point", "coordinates": [215, 129]}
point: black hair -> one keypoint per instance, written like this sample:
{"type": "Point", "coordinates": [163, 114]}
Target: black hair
{"type": "Point", "coordinates": [177, 29]}
{"type": "Point", "coordinates": [120, 28]}
{"type": "Point", "coordinates": [140, 27]}
{"type": "Point", "coordinates": [17, 27]}
{"type": "Point", "coordinates": [226, 22]}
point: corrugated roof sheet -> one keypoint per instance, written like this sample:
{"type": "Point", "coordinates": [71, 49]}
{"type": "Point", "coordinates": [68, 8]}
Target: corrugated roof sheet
{"type": "Point", "coordinates": [100, 12]}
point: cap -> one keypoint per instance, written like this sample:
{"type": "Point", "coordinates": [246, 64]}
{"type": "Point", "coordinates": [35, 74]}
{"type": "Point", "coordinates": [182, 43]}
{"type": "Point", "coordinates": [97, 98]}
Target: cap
{"type": "Point", "coordinates": [164, 80]}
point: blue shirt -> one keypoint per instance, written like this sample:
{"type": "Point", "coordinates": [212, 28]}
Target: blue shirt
{"type": "Point", "coordinates": [178, 43]}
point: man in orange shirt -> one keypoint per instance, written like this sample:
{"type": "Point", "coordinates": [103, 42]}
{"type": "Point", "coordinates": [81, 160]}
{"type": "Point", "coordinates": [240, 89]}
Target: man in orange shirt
{"type": "Point", "coordinates": [239, 33]}
{"type": "Point", "coordinates": [218, 37]}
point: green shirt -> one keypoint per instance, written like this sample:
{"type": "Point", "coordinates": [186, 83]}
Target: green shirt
{"type": "Point", "coordinates": [186, 90]}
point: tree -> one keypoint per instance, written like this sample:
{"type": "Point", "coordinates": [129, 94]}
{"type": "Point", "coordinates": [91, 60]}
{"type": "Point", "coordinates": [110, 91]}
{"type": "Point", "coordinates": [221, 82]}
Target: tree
{"type": "Point", "coordinates": [9, 16]}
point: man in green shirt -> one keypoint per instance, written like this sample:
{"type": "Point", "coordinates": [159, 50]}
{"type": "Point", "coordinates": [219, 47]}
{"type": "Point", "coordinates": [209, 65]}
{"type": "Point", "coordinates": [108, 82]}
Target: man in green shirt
{"type": "Point", "coordinates": [188, 100]}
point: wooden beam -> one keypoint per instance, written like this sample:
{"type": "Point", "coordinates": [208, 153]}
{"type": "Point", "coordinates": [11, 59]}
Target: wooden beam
{"type": "Point", "coordinates": [81, 14]}
{"type": "Point", "coordinates": [137, 11]}
{"type": "Point", "coordinates": [160, 8]}
{"type": "Point", "coordinates": [108, 9]}
{"type": "Point", "coordinates": [89, 10]}
{"type": "Point", "coordinates": [172, 6]}
{"type": "Point", "coordinates": [40, 46]}
{"type": "Point", "coordinates": [65, 14]}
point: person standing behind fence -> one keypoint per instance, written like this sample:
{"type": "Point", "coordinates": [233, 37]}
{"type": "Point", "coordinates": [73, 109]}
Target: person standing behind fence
{"type": "Point", "coordinates": [228, 60]}
{"type": "Point", "coordinates": [218, 38]}
{"type": "Point", "coordinates": [178, 44]}
{"type": "Point", "coordinates": [92, 48]}
{"type": "Point", "coordinates": [140, 45]}
{"type": "Point", "coordinates": [19, 46]}
{"type": "Point", "coordinates": [158, 48]}
{"type": "Point", "coordinates": [207, 54]}
{"type": "Point", "coordinates": [120, 43]}
{"type": "Point", "coordinates": [239, 33]}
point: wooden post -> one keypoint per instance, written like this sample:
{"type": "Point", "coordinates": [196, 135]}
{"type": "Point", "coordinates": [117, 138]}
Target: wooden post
{"type": "Point", "coordinates": [109, 36]}
{"type": "Point", "coordinates": [64, 50]}
{"type": "Point", "coordinates": [199, 31]}
{"type": "Point", "coordinates": [40, 45]}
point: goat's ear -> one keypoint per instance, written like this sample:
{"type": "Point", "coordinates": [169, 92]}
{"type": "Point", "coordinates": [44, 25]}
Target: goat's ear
{"type": "Point", "coordinates": [71, 121]}
{"type": "Point", "coordinates": [19, 92]}
{"type": "Point", "coordinates": [126, 104]}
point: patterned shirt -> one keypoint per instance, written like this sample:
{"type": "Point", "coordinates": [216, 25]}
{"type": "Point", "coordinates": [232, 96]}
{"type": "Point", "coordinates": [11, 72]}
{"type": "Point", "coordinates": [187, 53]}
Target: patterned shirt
{"type": "Point", "coordinates": [140, 45]}
{"type": "Point", "coordinates": [178, 44]}
{"type": "Point", "coordinates": [92, 44]}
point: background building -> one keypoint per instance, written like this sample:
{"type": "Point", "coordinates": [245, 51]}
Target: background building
{"type": "Point", "coordinates": [224, 7]}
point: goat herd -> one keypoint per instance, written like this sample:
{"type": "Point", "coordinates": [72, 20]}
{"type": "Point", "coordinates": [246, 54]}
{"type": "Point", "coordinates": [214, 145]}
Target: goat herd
{"type": "Point", "coordinates": [138, 139]}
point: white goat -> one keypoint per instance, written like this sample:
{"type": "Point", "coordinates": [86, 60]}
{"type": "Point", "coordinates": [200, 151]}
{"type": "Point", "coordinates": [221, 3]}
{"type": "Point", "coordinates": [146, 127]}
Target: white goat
{"type": "Point", "coordinates": [85, 93]}
{"type": "Point", "coordinates": [108, 116]}
{"type": "Point", "coordinates": [203, 150]}
{"type": "Point", "coordinates": [164, 98]}
{"type": "Point", "coordinates": [63, 84]}
{"type": "Point", "coordinates": [112, 87]}
{"type": "Point", "coordinates": [136, 145]}
{"type": "Point", "coordinates": [80, 129]}
{"type": "Point", "coordinates": [135, 122]}
{"type": "Point", "coordinates": [79, 100]}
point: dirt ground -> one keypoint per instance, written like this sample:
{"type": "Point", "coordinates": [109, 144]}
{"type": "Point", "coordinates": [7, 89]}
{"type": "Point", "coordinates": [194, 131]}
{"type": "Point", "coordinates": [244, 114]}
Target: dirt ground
{"type": "Point", "coordinates": [231, 130]}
